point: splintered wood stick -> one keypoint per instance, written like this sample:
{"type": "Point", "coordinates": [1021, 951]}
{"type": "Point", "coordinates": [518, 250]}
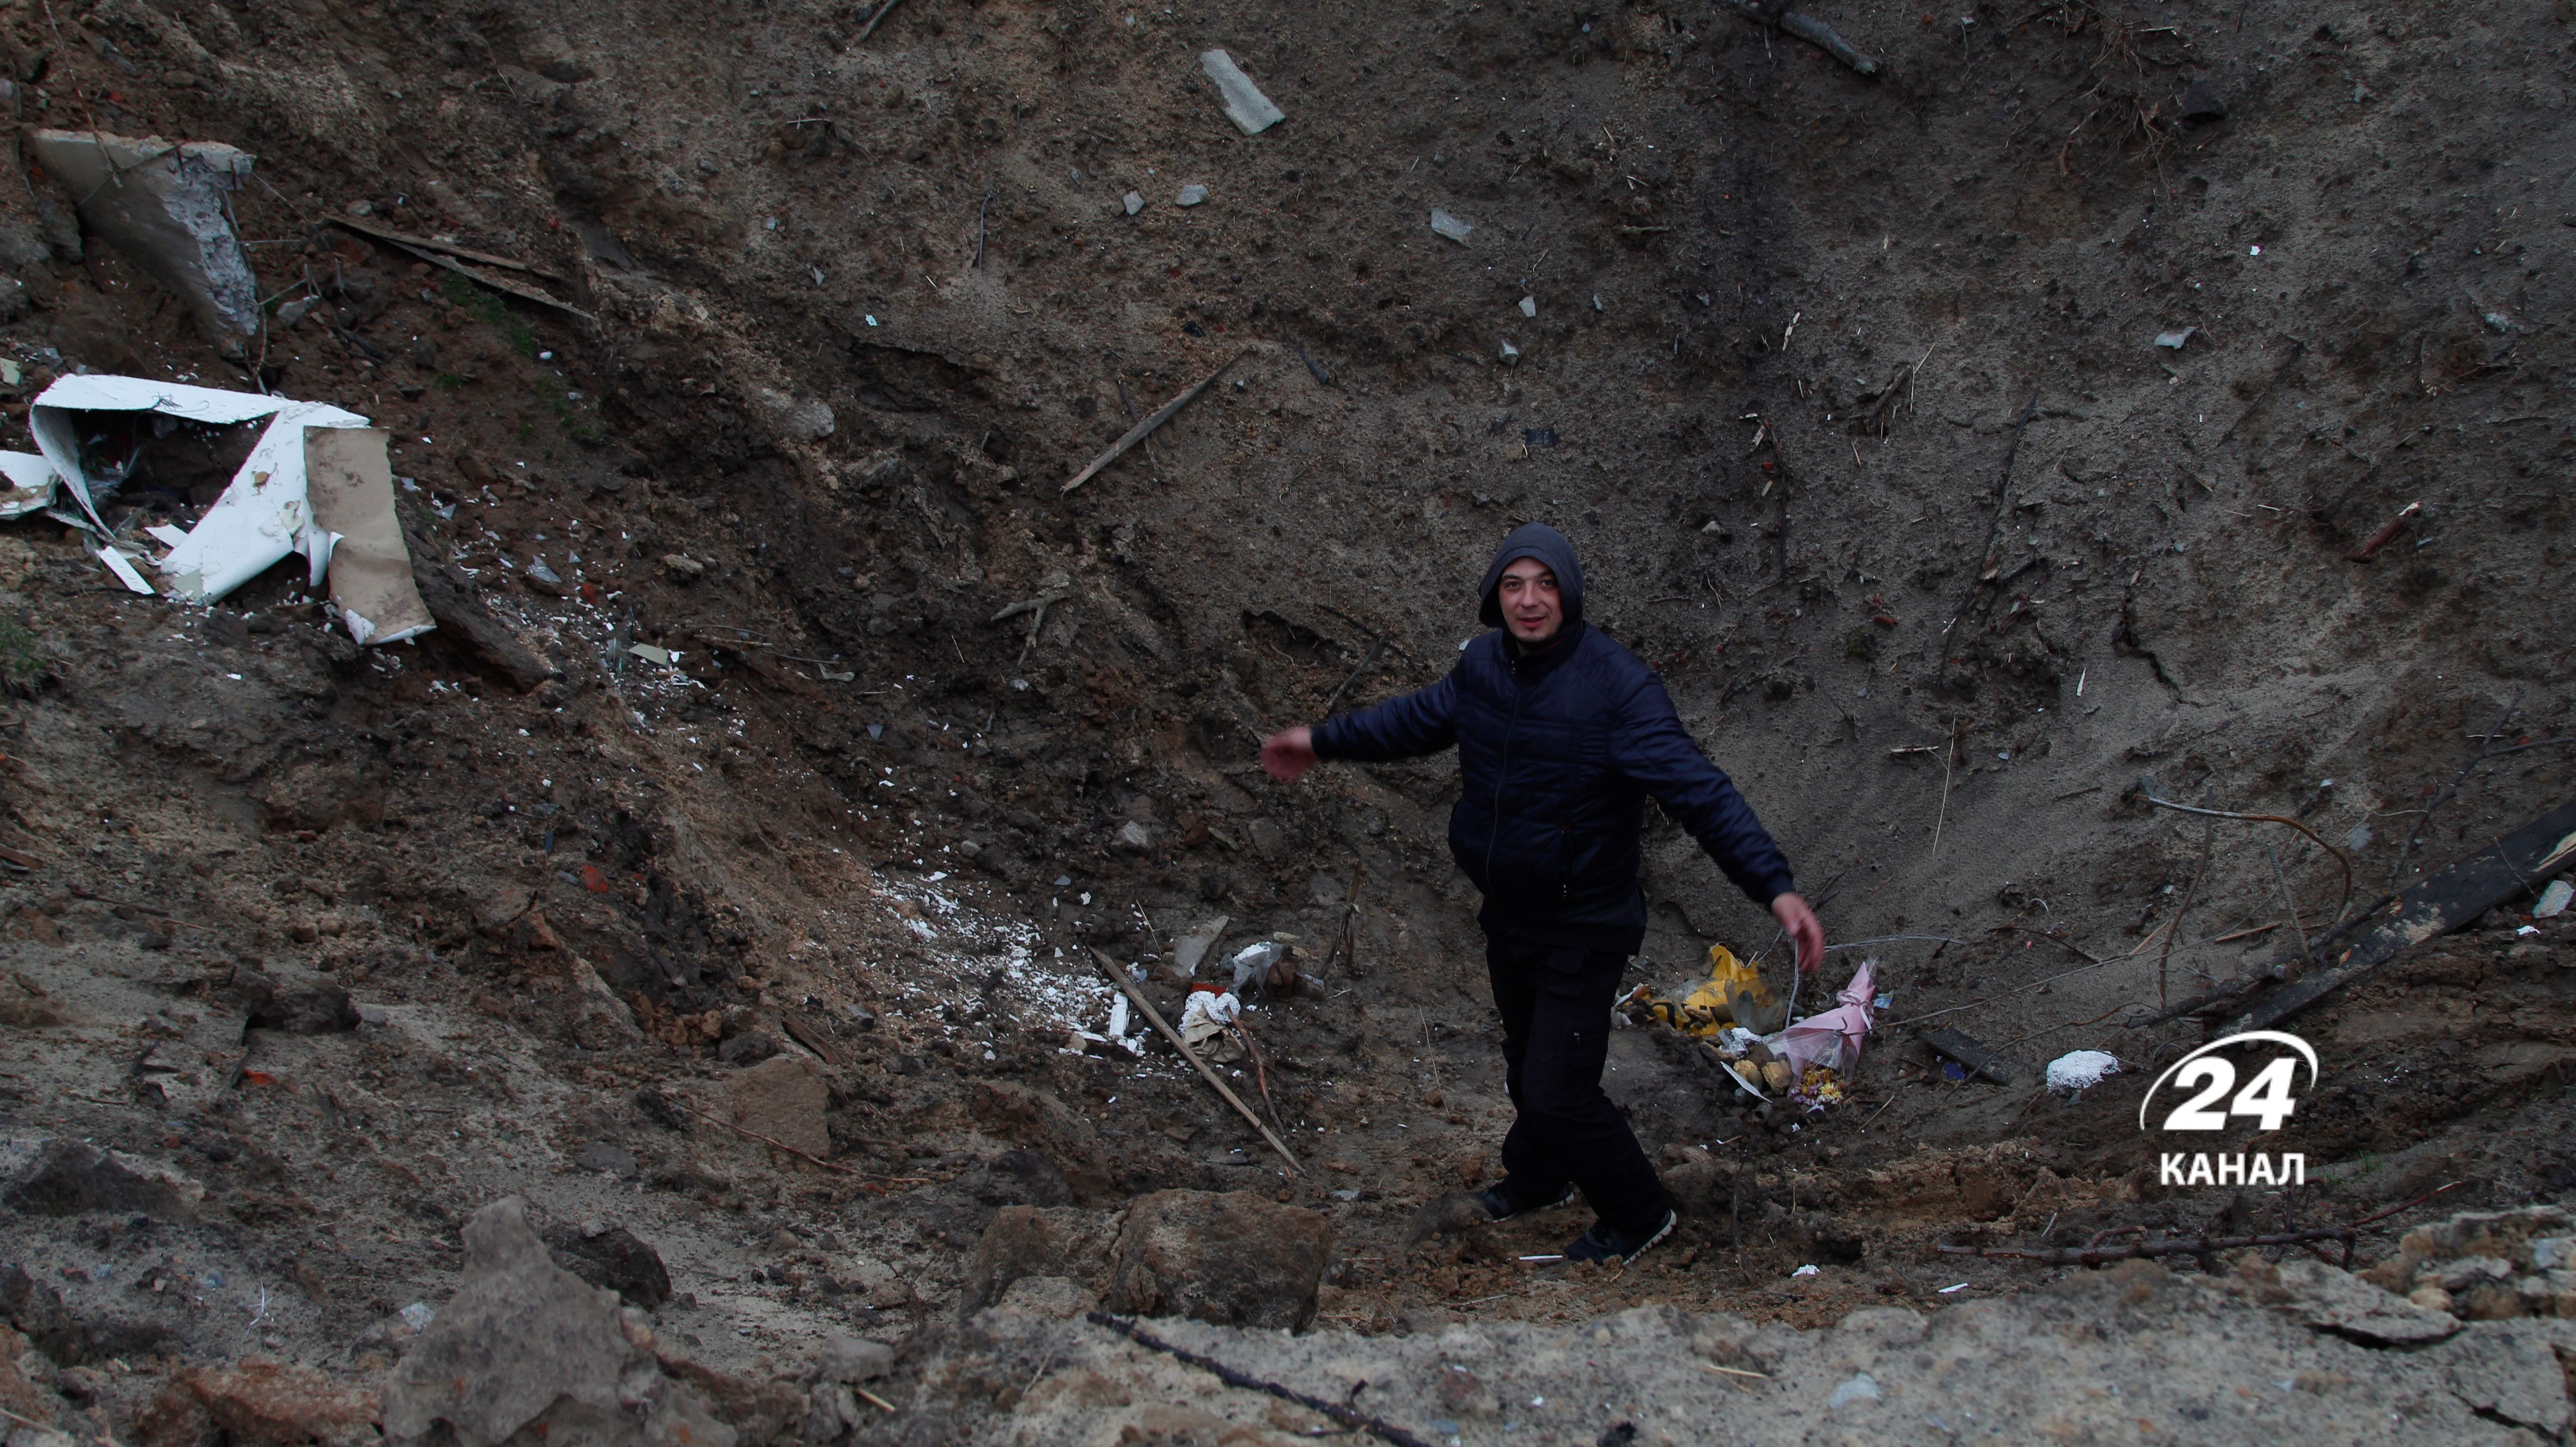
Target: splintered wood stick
{"type": "Point", "coordinates": [1154, 1017]}
{"type": "Point", "coordinates": [1144, 429]}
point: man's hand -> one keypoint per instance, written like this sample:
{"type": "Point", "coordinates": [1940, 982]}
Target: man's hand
{"type": "Point", "coordinates": [1794, 916]}
{"type": "Point", "coordinates": [1289, 753]}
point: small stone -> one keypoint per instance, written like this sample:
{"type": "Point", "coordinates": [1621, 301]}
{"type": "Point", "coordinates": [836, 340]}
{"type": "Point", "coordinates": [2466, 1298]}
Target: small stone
{"type": "Point", "coordinates": [1193, 195]}
{"type": "Point", "coordinates": [1529, 306]}
{"type": "Point", "coordinates": [1451, 227]}
{"type": "Point", "coordinates": [72, 1178]}
{"type": "Point", "coordinates": [681, 568]}
{"type": "Point", "coordinates": [1135, 202]}
{"type": "Point", "coordinates": [616, 1259]}
{"type": "Point", "coordinates": [1860, 1388]}
{"type": "Point", "coordinates": [601, 1156]}
{"type": "Point", "coordinates": [853, 1359]}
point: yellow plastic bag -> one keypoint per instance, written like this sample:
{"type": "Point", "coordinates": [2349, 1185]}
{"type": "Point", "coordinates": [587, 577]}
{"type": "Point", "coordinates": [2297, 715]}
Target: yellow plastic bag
{"type": "Point", "coordinates": [1733, 994]}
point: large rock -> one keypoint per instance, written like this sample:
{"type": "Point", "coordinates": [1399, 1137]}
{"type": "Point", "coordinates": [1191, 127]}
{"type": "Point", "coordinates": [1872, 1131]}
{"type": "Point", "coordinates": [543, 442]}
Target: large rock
{"type": "Point", "coordinates": [526, 1344]}
{"type": "Point", "coordinates": [783, 1098]}
{"type": "Point", "coordinates": [1235, 1259]}
{"type": "Point", "coordinates": [1032, 1241]}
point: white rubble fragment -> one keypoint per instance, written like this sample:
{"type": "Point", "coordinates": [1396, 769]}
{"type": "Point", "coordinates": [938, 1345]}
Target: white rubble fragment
{"type": "Point", "coordinates": [2081, 1069]}
{"type": "Point", "coordinates": [1245, 105]}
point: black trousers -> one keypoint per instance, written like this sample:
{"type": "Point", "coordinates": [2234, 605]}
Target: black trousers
{"type": "Point", "coordinates": [1555, 1002]}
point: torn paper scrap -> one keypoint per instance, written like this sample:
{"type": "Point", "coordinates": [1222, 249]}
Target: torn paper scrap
{"type": "Point", "coordinates": [32, 484]}
{"type": "Point", "coordinates": [357, 539]}
{"type": "Point", "coordinates": [1245, 105]}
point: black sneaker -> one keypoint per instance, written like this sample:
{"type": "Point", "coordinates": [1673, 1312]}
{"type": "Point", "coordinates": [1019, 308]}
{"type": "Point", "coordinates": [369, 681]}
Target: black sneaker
{"type": "Point", "coordinates": [1503, 1208]}
{"type": "Point", "coordinates": [1605, 1242]}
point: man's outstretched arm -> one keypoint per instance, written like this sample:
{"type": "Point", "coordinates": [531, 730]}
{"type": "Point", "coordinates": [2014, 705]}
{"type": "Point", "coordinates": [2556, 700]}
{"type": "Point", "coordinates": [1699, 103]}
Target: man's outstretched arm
{"type": "Point", "coordinates": [1651, 746]}
{"type": "Point", "coordinates": [1422, 722]}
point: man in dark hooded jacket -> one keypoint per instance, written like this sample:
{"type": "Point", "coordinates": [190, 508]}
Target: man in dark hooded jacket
{"type": "Point", "coordinates": [1562, 735]}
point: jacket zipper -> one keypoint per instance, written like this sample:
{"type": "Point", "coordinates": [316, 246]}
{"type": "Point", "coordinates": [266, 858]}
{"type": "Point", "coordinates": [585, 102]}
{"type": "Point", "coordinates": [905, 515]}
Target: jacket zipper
{"type": "Point", "coordinates": [1511, 668]}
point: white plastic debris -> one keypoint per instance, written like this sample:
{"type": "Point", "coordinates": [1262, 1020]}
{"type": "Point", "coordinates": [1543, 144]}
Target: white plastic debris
{"type": "Point", "coordinates": [1529, 306]}
{"type": "Point", "coordinates": [1245, 105]}
{"type": "Point", "coordinates": [2081, 1069]}
{"type": "Point", "coordinates": [1806, 1271]}
{"type": "Point", "coordinates": [2553, 900]}
{"type": "Point", "coordinates": [123, 567]}
{"type": "Point", "coordinates": [270, 509]}
{"type": "Point", "coordinates": [1192, 195]}
{"type": "Point", "coordinates": [32, 484]}
{"type": "Point", "coordinates": [2174, 339]}
{"type": "Point", "coordinates": [1118, 1017]}
{"type": "Point", "coordinates": [1252, 963]}
{"type": "Point", "coordinates": [1450, 226]}
{"type": "Point", "coordinates": [1509, 353]}
{"type": "Point", "coordinates": [651, 654]}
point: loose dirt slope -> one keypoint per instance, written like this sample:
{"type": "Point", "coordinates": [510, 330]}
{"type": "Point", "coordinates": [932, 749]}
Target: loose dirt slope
{"type": "Point", "coordinates": [1850, 390]}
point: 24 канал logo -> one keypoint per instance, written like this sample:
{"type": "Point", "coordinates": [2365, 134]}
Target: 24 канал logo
{"type": "Point", "coordinates": [2207, 1097]}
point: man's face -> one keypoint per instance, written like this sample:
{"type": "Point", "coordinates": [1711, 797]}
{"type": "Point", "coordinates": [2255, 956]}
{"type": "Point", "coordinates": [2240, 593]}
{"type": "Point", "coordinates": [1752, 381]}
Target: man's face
{"type": "Point", "coordinates": [1532, 609]}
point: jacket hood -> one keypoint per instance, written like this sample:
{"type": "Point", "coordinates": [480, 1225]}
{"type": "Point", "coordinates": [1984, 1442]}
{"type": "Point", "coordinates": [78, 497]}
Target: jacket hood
{"type": "Point", "coordinates": [1533, 540]}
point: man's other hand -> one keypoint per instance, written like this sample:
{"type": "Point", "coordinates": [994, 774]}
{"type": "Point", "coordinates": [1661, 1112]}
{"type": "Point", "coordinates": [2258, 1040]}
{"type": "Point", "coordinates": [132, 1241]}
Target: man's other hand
{"type": "Point", "coordinates": [1289, 753]}
{"type": "Point", "coordinates": [1789, 909]}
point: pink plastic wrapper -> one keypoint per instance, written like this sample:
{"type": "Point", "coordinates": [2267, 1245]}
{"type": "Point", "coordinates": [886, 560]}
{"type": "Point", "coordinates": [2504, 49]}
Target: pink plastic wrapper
{"type": "Point", "coordinates": [1832, 1039]}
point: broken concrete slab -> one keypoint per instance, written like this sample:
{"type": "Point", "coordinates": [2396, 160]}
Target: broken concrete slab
{"type": "Point", "coordinates": [1245, 105]}
{"type": "Point", "coordinates": [167, 206]}
{"type": "Point", "coordinates": [525, 1342]}
{"type": "Point", "coordinates": [2340, 1302]}
{"type": "Point", "coordinates": [783, 1098]}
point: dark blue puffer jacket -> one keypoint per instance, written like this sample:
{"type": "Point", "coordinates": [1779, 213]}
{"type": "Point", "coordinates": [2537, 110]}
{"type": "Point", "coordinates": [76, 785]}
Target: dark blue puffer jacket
{"type": "Point", "coordinates": [1558, 749]}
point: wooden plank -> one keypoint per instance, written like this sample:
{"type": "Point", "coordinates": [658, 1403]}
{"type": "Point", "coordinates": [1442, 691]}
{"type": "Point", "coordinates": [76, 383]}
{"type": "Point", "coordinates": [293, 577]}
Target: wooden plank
{"type": "Point", "coordinates": [431, 243]}
{"type": "Point", "coordinates": [2439, 905]}
{"type": "Point", "coordinates": [812, 1039]}
{"type": "Point", "coordinates": [1961, 1047]}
